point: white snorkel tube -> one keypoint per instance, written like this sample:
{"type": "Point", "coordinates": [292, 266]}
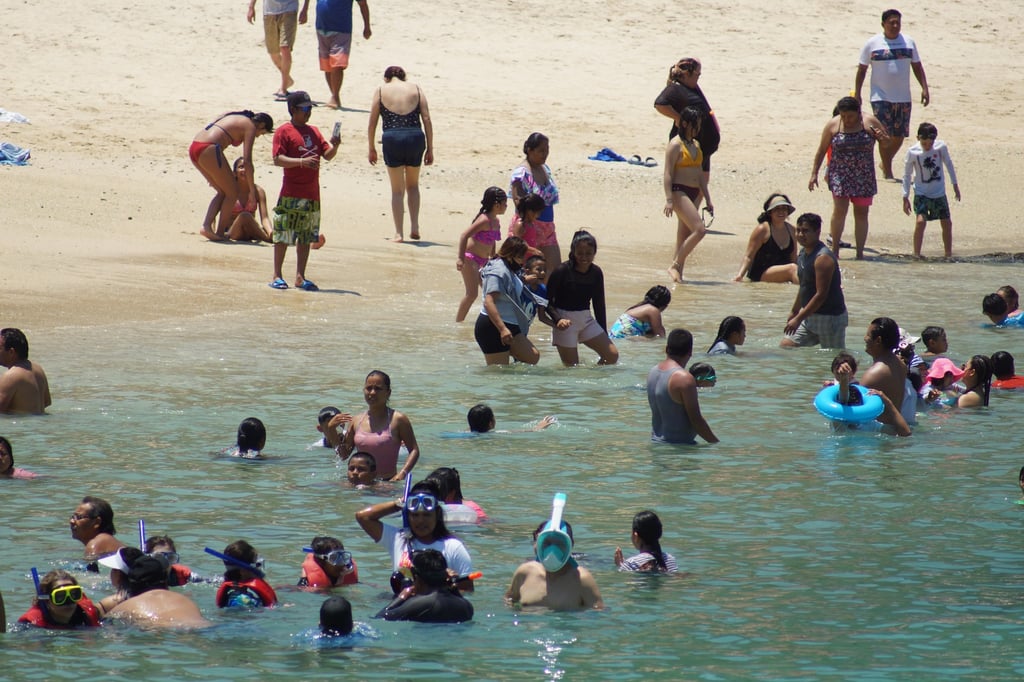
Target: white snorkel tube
{"type": "Point", "coordinates": [554, 546]}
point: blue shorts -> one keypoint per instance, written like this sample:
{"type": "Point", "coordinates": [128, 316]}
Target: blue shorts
{"type": "Point", "coordinates": [894, 117]}
{"type": "Point", "coordinates": [403, 147]}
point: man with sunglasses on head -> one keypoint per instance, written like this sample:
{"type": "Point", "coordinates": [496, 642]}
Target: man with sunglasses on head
{"type": "Point", "coordinates": [328, 564]}
{"type": "Point", "coordinates": [423, 528]}
{"type": "Point", "coordinates": [150, 603]}
{"type": "Point", "coordinates": [92, 524]}
{"type": "Point", "coordinates": [432, 598]}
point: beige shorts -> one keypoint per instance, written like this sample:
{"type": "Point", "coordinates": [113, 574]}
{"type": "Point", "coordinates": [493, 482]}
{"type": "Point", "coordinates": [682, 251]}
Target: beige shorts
{"type": "Point", "coordinates": [279, 30]}
{"type": "Point", "coordinates": [583, 328]}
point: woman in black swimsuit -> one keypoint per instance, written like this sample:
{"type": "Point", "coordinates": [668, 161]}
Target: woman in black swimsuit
{"type": "Point", "coordinates": [406, 143]}
{"type": "Point", "coordinates": [771, 251]}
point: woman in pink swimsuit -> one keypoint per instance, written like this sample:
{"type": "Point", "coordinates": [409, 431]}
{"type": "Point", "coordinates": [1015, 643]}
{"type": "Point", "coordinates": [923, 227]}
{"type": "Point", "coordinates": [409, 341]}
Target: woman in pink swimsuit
{"type": "Point", "coordinates": [207, 154]}
{"type": "Point", "coordinates": [476, 245]}
{"type": "Point", "coordinates": [381, 431]}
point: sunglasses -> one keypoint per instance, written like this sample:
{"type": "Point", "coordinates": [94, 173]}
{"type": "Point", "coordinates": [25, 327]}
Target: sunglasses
{"type": "Point", "coordinates": [81, 517]}
{"type": "Point", "coordinates": [707, 217]}
{"type": "Point", "coordinates": [170, 557]}
{"type": "Point", "coordinates": [308, 108]}
{"type": "Point", "coordinates": [421, 502]}
{"type": "Point", "coordinates": [337, 557]}
{"type": "Point", "coordinates": [62, 595]}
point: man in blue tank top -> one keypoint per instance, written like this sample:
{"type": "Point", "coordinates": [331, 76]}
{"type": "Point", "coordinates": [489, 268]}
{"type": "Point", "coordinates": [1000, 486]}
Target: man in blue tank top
{"type": "Point", "coordinates": [819, 311]}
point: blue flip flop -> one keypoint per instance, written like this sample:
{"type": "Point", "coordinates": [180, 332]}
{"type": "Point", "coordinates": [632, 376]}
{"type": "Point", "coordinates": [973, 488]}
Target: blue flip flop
{"type": "Point", "coordinates": [308, 286]}
{"type": "Point", "coordinates": [278, 284]}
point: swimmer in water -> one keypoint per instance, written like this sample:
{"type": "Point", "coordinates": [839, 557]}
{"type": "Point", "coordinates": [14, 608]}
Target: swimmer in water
{"type": "Point", "coordinates": [362, 470]}
{"type": "Point", "coordinates": [242, 586]}
{"type": "Point", "coordinates": [60, 604]}
{"type": "Point", "coordinates": [569, 588]}
{"type": "Point", "coordinates": [704, 374]}
{"type": "Point", "coordinates": [336, 617]}
{"type": "Point", "coordinates": [646, 537]}
{"type": "Point", "coordinates": [252, 437]}
{"type": "Point", "coordinates": [328, 565]}
{"type": "Point", "coordinates": [481, 420]}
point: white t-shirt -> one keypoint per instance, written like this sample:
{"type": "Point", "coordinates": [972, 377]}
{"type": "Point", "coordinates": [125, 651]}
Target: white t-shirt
{"type": "Point", "coordinates": [890, 62]}
{"type": "Point", "coordinates": [272, 7]}
{"type": "Point", "coordinates": [925, 169]}
{"type": "Point", "coordinates": [452, 548]}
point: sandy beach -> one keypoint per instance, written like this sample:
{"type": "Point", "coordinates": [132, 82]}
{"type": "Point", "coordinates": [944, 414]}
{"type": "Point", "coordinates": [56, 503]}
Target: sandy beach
{"type": "Point", "coordinates": [102, 226]}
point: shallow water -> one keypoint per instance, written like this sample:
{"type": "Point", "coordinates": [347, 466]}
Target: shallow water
{"type": "Point", "coordinates": [812, 555]}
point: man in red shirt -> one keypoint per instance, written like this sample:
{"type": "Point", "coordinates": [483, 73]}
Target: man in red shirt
{"type": "Point", "coordinates": [298, 148]}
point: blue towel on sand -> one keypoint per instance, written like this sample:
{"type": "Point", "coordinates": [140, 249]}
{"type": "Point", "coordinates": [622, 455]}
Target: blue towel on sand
{"type": "Point", "coordinates": [13, 155]}
{"type": "Point", "coordinates": [607, 155]}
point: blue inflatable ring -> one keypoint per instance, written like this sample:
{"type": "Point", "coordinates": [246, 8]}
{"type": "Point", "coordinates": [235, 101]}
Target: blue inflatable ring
{"type": "Point", "coordinates": [828, 404]}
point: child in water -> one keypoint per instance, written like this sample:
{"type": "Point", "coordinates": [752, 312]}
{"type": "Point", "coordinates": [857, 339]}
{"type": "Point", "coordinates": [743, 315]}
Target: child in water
{"type": "Point", "coordinates": [481, 420]}
{"type": "Point", "coordinates": [704, 374]}
{"type": "Point", "coordinates": [646, 538]}
{"type": "Point", "coordinates": [573, 287]}
{"type": "Point", "coordinates": [644, 318]}
{"type": "Point", "coordinates": [732, 332]}
{"type": "Point", "coordinates": [528, 210]}
{"type": "Point", "coordinates": [477, 245]}
{"type": "Point", "coordinates": [940, 386]}
{"type": "Point", "coordinates": [252, 437]}
{"type": "Point", "coordinates": [243, 584]}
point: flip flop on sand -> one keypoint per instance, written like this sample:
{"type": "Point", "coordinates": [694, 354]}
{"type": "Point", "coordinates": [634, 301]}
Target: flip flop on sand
{"type": "Point", "coordinates": [281, 96]}
{"type": "Point", "coordinates": [635, 160]}
{"type": "Point", "coordinates": [278, 284]}
{"type": "Point", "coordinates": [649, 162]}
{"type": "Point", "coordinates": [308, 286]}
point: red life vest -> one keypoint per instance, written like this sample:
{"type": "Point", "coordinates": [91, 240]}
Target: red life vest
{"type": "Point", "coordinates": [316, 577]}
{"type": "Point", "coordinates": [255, 588]}
{"type": "Point", "coordinates": [179, 575]}
{"type": "Point", "coordinates": [35, 616]}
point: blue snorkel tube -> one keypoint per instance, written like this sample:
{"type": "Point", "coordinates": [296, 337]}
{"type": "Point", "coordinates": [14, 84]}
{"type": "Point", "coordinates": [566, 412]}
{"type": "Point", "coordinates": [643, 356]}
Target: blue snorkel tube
{"type": "Point", "coordinates": [43, 598]}
{"type": "Point", "coordinates": [236, 562]}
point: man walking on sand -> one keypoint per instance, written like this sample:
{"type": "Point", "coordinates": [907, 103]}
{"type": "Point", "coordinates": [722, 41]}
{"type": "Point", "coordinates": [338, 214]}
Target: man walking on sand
{"type": "Point", "coordinates": [334, 36]}
{"type": "Point", "coordinates": [891, 56]}
{"type": "Point", "coordinates": [280, 19]}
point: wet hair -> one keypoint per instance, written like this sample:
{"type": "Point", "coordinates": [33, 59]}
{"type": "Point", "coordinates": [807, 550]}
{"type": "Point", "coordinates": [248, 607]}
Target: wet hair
{"type": "Point", "coordinates": [1007, 292]}
{"type": "Point", "coordinates": [566, 526]}
{"type": "Point", "coordinates": [927, 130]}
{"type": "Point", "coordinates": [679, 342]}
{"type": "Point", "coordinates": [326, 414]}
{"type": "Point", "coordinates": [367, 456]}
{"type": "Point", "coordinates": [241, 550]}
{"type": "Point", "coordinates": [765, 215]}
{"type": "Point", "coordinates": [647, 526]}
{"type": "Point", "coordinates": [449, 482]}
{"type": "Point", "coordinates": [811, 220]}
{"type": "Point", "coordinates": [157, 540]}
{"type": "Point", "coordinates": [932, 334]}
{"type": "Point", "coordinates": [531, 202]}
{"type": "Point", "coordinates": [994, 304]}
{"type": "Point", "coordinates": [889, 14]}
{"type": "Point", "coordinates": [382, 375]}
{"type": "Point", "coordinates": [50, 580]}
{"type": "Point", "coordinates": [147, 572]}
{"type": "Point", "coordinates": [6, 445]}
{"type": "Point", "coordinates": [691, 115]}
{"type": "Point", "coordinates": [479, 418]}
{"type": "Point", "coordinates": [394, 72]}
{"type": "Point", "coordinates": [14, 339]}
{"type": "Point", "coordinates": [886, 329]}
{"type": "Point", "coordinates": [101, 509]}
{"type": "Point", "coordinates": [683, 66]}
{"type": "Point", "coordinates": [844, 357]}
{"type": "Point", "coordinates": [847, 104]}
{"type": "Point", "coordinates": [430, 487]}
{"type": "Point", "coordinates": [430, 566]}
{"type": "Point", "coordinates": [492, 197]}
{"type": "Point", "coordinates": [252, 435]}
{"type": "Point", "coordinates": [729, 326]}
{"type": "Point", "coordinates": [1002, 365]}
{"type": "Point", "coordinates": [530, 262]}
{"type": "Point", "coordinates": [982, 366]}
{"type": "Point", "coordinates": [580, 236]}
{"type": "Point", "coordinates": [533, 141]}
{"type": "Point", "coordinates": [512, 247]}
{"type": "Point", "coordinates": [336, 615]}
{"type": "Point", "coordinates": [322, 544]}
{"type": "Point", "coordinates": [658, 296]}
{"type": "Point", "coordinates": [702, 370]}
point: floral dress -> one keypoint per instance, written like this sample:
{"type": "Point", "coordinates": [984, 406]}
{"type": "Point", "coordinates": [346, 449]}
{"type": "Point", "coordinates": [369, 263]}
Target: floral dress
{"type": "Point", "coordinates": [851, 170]}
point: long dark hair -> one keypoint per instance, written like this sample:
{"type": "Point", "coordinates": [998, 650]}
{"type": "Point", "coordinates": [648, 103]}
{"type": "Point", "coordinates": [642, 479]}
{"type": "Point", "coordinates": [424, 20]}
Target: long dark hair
{"type": "Point", "coordinates": [647, 527]}
{"type": "Point", "coordinates": [659, 296]}
{"type": "Point", "coordinates": [729, 325]}
{"type": "Point", "coordinates": [430, 487]}
{"type": "Point", "coordinates": [492, 197]}
{"type": "Point", "coordinates": [982, 366]}
{"type": "Point", "coordinates": [580, 237]}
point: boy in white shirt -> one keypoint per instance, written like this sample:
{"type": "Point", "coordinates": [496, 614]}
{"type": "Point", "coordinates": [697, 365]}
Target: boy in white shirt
{"type": "Point", "coordinates": [924, 166]}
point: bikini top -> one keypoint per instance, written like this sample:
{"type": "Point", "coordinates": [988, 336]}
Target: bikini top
{"type": "Point", "coordinates": [218, 125]}
{"type": "Point", "coordinates": [393, 120]}
{"type": "Point", "coordinates": [686, 160]}
{"type": "Point", "coordinates": [489, 236]}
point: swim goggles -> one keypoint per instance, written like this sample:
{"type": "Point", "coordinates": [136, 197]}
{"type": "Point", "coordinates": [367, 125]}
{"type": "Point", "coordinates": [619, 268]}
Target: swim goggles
{"type": "Point", "coordinates": [62, 595]}
{"type": "Point", "coordinates": [422, 501]}
{"type": "Point", "coordinates": [170, 557]}
{"type": "Point", "coordinates": [337, 557]}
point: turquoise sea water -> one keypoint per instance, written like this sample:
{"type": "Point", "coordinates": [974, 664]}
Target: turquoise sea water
{"type": "Point", "coordinates": [813, 556]}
